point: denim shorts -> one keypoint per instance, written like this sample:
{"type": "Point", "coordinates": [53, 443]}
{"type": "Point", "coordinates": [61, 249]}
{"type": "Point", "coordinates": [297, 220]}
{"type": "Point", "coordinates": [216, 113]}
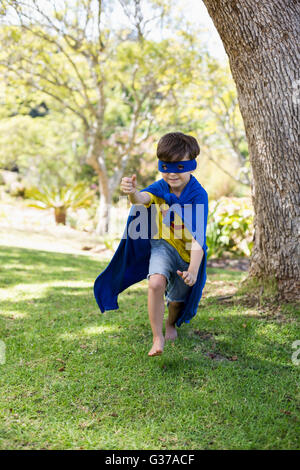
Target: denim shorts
{"type": "Point", "coordinates": [166, 260]}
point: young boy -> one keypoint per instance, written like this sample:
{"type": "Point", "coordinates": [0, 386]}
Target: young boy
{"type": "Point", "coordinates": [176, 255]}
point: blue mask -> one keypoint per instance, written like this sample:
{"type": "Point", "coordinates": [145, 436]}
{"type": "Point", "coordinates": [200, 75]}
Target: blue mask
{"type": "Point", "coordinates": [177, 167]}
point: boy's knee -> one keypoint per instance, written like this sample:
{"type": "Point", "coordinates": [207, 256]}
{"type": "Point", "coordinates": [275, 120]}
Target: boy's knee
{"type": "Point", "coordinates": [157, 282]}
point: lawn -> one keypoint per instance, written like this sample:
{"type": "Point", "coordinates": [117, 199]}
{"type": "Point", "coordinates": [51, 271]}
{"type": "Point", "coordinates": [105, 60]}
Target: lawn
{"type": "Point", "coordinates": [78, 379]}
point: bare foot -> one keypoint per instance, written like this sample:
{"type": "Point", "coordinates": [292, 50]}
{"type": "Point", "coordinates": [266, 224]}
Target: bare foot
{"type": "Point", "coordinates": [171, 332]}
{"type": "Point", "coordinates": [158, 347]}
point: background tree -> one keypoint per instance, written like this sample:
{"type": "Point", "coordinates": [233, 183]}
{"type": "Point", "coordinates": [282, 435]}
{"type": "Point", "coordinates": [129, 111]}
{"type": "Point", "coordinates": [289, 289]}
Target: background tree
{"type": "Point", "coordinates": [224, 132]}
{"type": "Point", "coordinates": [207, 104]}
{"type": "Point", "coordinates": [64, 50]}
{"type": "Point", "coordinates": [149, 87]}
{"type": "Point", "coordinates": [262, 43]}
{"type": "Point", "coordinates": [45, 147]}
{"type": "Point", "coordinates": [114, 81]}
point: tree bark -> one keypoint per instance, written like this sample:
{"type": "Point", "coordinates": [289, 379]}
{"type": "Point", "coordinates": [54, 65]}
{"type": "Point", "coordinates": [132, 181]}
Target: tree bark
{"type": "Point", "coordinates": [103, 212]}
{"type": "Point", "coordinates": [96, 158]}
{"type": "Point", "coordinates": [261, 38]}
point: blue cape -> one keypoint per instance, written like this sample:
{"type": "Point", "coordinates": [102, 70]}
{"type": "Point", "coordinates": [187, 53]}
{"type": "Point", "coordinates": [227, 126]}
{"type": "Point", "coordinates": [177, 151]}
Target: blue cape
{"type": "Point", "coordinates": [130, 262]}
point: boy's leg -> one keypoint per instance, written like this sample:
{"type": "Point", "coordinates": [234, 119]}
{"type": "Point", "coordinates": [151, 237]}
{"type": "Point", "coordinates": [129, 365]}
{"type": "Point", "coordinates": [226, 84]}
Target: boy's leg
{"type": "Point", "coordinates": [156, 309]}
{"type": "Point", "coordinates": [174, 312]}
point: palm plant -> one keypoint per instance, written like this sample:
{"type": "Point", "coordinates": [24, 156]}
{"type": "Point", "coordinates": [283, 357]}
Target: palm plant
{"type": "Point", "coordinates": [60, 199]}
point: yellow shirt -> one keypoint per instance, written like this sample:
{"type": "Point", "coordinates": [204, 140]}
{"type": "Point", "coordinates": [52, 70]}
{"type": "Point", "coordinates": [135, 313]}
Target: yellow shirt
{"type": "Point", "coordinates": [177, 234]}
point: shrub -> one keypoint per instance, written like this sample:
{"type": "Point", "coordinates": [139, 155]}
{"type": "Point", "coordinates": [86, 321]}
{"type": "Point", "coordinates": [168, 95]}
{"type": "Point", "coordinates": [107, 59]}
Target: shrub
{"type": "Point", "coordinates": [230, 227]}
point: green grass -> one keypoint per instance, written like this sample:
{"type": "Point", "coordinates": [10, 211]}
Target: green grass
{"type": "Point", "coordinates": [75, 378]}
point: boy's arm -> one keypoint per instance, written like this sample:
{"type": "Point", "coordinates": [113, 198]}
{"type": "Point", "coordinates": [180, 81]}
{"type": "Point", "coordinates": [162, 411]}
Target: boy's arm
{"type": "Point", "coordinates": [196, 258]}
{"type": "Point", "coordinates": [190, 276]}
{"type": "Point", "coordinates": [139, 198]}
{"type": "Point", "coordinates": [128, 186]}
{"type": "Point", "coordinates": [196, 249]}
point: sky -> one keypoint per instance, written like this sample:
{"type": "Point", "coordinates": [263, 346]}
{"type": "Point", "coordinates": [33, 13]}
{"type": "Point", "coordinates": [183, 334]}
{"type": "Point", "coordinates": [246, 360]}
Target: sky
{"type": "Point", "coordinates": [201, 15]}
{"type": "Point", "coordinates": [195, 11]}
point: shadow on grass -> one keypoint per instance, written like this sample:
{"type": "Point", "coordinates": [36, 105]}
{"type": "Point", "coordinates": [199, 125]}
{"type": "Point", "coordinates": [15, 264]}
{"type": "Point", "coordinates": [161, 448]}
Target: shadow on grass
{"type": "Point", "coordinates": [22, 265]}
{"type": "Point", "coordinates": [72, 314]}
{"type": "Point", "coordinates": [225, 274]}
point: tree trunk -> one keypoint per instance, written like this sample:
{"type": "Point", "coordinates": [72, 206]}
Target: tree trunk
{"type": "Point", "coordinates": [103, 212]}
{"type": "Point", "coordinates": [261, 38]}
{"type": "Point", "coordinates": [96, 158]}
{"type": "Point", "coordinates": [60, 215]}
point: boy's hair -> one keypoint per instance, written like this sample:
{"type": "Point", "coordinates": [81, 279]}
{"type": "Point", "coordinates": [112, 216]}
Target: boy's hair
{"type": "Point", "coordinates": [174, 146]}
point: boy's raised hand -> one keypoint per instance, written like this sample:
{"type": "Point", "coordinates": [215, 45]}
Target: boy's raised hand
{"type": "Point", "coordinates": [188, 277]}
{"type": "Point", "coordinates": [128, 184]}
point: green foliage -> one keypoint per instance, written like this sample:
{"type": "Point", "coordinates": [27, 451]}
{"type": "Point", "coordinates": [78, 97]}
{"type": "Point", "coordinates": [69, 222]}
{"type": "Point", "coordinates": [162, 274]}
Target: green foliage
{"type": "Point", "coordinates": [132, 91]}
{"type": "Point", "coordinates": [46, 149]}
{"type": "Point", "coordinates": [230, 227]}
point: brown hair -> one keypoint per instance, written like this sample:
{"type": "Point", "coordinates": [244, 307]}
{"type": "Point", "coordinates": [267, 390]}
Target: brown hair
{"type": "Point", "coordinates": [175, 146]}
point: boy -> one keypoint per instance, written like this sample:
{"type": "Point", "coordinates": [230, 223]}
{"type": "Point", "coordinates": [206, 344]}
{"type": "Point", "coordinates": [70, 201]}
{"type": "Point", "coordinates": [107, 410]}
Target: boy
{"type": "Point", "coordinates": [171, 147]}
{"type": "Point", "coordinates": [172, 257]}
